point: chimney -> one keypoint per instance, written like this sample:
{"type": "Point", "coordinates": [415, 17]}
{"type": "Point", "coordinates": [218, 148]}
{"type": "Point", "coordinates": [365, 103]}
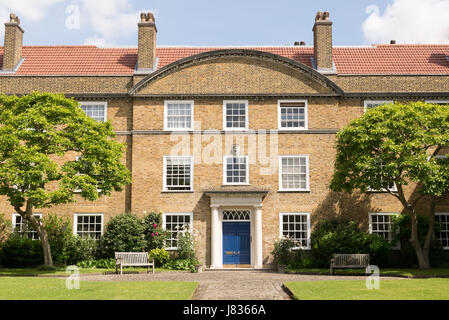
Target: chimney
{"type": "Point", "coordinates": [322, 42]}
{"type": "Point", "coordinates": [146, 56]}
{"type": "Point", "coordinates": [393, 42]}
{"type": "Point", "coordinates": [12, 51]}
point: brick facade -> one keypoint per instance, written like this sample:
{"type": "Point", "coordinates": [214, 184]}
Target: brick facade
{"type": "Point", "coordinates": [136, 111]}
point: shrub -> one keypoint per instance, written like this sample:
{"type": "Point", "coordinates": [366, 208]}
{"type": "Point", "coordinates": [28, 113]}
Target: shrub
{"type": "Point", "coordinates": [100, 264]}
{"type": "Point", "coordinates": [154, 234]}
{"type": "Point", "coordinates": [282, 252]}
{"type": "Point", "coordinates": [161, 256]}
{"type": "Point", "coordinates": [186, 249]}
{"type": "Point", "coordinates": [181, 264]}
{"type": "Point", "coordinates": [21, 252]}
{"type": "Point", "coordinates": [335, 236]}
{"type": "Point", "coordinates": [60, 236]}
{"type": "Point", "coordinates": [80, 249]}
{"type": "Point", "coordinates": [124, 233]}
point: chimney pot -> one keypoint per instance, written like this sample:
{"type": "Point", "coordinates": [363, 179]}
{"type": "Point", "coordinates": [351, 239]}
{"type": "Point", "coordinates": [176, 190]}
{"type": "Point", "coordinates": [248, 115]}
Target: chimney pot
{"type": "Point", "coordinates": [12, 50]}
{"type": "Point", "coordinates": [296, 43]}
{"type": "Point", "coordinates": [393, 42]}
{"type": "Point", "coordinates": [302, 43]}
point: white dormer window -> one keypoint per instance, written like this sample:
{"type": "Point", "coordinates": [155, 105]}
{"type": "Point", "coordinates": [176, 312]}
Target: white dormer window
{"type": "Point", "coordinates": [235, 115]}
{"type": "Point", "coordinates": [178, 115]}
{"type": "Point", "coordinates": [95, 110]}
{"type": "Point", "coordinates": [370, 104]}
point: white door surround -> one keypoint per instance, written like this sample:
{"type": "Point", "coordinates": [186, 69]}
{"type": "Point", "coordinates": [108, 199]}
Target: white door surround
{"type": "Point", "coordinates": [220, 201]}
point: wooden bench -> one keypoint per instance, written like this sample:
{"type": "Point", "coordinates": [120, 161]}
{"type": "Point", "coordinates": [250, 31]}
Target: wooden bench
{"type": "Point", "coordinates": [349, 261]}
{"type": "Point", "coordinates": [132, 259]}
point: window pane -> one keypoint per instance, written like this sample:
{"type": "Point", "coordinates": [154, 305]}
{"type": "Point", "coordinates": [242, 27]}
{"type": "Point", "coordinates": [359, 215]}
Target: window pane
{"type": "Point", "coordinates": [296, 229]}
{"type": "Point", "coordinates": [293, 116]}
{"type": "Point", "coordinates": [178, 174]}
{"type": "Point", "coordinates": [178, 115]}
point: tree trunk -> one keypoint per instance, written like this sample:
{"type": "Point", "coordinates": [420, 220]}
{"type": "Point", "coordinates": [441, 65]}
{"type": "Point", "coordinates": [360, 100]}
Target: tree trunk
{"type": "Point", "coordinates": [430, 232]}
{"type": "Point", "coordinates": [421, 255]}
{"type": "Point", "coordinates": [39, 228]}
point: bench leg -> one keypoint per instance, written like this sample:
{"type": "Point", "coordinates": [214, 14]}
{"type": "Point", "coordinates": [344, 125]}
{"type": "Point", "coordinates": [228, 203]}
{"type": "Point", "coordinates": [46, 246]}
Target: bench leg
{"type": "Point", "coordinates": [121, 269]}
{"type": "Point", "coordinates": [332, 271]}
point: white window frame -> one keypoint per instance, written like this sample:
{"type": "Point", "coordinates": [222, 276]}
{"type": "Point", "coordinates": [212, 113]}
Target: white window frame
{"type": "Point", "coordinates": [443, 102]}
{"type": "Point", "coordinates": [225, 158]}
{"type": "Point", "coordinates": [164, 223]}
{"type": "Point", "coordinates": [443, 214]}
{"type": "Point", "coordinates": [75, 221]}
{"type": "Point", "coordinates": [306, 116]}
{"type": "Point", "coordinates": [281, 234]}
{"type": "Point", "coordinates": [306, 156]}
{"type": "Point", "coordinates": [14, 215]}
{"type": "Point", "coordinates": [96, 103]}
{"type": "Point", "coordinates": [383, 190]}
{"type": "Point", "coordinates": [246, 115]}
{"type": "Point", "coordinates": [370, 225]}
{"type": "Point", "coordinates": [167, 102]}
{"type": "Point", "coordinates": [164, 175]}
{"type": "Point", "coordinates": [380, 102]}
{"type": "Point", "coordinates": [80, 174]}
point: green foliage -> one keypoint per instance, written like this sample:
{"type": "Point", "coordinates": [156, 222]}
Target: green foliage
{"type": "Point", "coordinates": [36, 131]}
{"type": "Point", "coordinates": [301, 259]}
{"type": "Point", "coordinates": [282, 252]}
{"type": "Point", "coordinates": [46, 267]}
{"type": "Point", "coordinates": [155, 236]}
{"type": "Point", "coordinates": [66, 248]}
{"type": "Point", "coordinates": [181, 264]}
{"type": "Point", "coordinates": [161, 256]}
{"type": "Point", "coordinates": [97, 264]}
{"type": "Point", "coordinates": [389, 144]}
{"type": "Point", "coordinates": [60, 235]}
{"type": "Point", "coordinates": [21, 252]}
{"type": "Point", "coordinates": [402, 229]}
{"type": "Point", "coordinates": [5, 228]}
{"type": "Point", "coordinates": [335, 236]}
{"type": "Point", "coordinates": [186, 247]}
{"type": "Point", "coordinates": [124, 233]}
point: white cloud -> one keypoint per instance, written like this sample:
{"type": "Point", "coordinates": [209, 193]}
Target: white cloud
{"type": "Point", "coordinates": [409, 21]}
{"type": "Point", "coordinates": [31, 10]}
{"type": "Point", "coordinates": [110, 20]}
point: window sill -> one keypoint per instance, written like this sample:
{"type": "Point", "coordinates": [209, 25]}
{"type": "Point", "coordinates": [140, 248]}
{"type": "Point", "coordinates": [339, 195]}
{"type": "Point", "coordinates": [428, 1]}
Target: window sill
{"type": "Point", "coordinates": [177, 191]}
{"type": "Point", "coordinates": [294, 191]}
{"type": "Point", "coordinates": [235, 184]}
{"type": "Point", "coordinates": [293, 129]}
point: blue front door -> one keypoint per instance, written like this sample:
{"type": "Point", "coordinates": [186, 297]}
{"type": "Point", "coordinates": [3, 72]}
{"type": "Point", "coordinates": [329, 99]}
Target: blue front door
{"type": "Point", "coordinates": [236, 243]}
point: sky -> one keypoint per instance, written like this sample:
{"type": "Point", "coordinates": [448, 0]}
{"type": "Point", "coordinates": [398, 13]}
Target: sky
{"type": "Point", "coordinates": [113, 23]}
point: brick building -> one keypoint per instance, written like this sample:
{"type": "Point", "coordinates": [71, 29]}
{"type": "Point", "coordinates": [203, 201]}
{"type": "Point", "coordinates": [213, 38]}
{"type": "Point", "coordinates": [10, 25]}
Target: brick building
{"type": "Point", "coordinates": [236, 142]}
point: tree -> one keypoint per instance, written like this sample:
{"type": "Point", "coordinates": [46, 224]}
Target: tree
{"type": "Point", "coordinates": [41, 135]}
{"type": "Point", "coordinates": [398, 143]}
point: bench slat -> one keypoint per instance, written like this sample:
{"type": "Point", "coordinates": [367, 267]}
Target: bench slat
{"type": "Point", "coordinates": [349, 261]}
{"type": "Point", "coordinates": [132, 259]}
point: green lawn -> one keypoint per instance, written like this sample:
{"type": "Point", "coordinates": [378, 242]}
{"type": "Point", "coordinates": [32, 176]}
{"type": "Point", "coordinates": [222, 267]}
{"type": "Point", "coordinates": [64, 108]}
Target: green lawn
{"type": "Point", "coordinates": [436, 272]}
{"type": "Point", "coordinates": [407, 289]}
{"type": "Point", "coordinates": [32, 288]}
{"type": "Point", "coordinates": [62, 271]}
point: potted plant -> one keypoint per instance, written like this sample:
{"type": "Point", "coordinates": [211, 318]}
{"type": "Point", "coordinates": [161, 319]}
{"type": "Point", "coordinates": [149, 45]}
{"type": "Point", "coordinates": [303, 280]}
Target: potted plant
{"type": "Point", "coordinates": [282, 252]}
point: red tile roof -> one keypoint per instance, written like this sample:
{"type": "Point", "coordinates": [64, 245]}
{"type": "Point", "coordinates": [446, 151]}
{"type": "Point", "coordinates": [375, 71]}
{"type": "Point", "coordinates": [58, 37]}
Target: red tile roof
{"type": "Point", "coordinates": [90, 60]}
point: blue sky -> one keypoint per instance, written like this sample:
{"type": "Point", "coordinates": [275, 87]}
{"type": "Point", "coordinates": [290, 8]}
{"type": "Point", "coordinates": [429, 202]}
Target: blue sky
{"type": "Point", "coordinates": [231, 22]}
